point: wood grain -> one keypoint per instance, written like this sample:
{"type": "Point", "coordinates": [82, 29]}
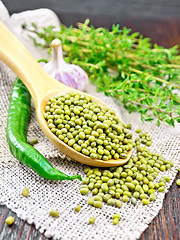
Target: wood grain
{"type": "Point", "coordinates": [165, 225]}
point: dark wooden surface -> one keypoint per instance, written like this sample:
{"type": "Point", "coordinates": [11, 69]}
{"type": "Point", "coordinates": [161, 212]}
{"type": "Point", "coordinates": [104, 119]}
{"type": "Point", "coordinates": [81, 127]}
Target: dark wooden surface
{"type": "Point", "coordinates": [166, 225]}
{"type": "Point", "coordinates": [119, 9]}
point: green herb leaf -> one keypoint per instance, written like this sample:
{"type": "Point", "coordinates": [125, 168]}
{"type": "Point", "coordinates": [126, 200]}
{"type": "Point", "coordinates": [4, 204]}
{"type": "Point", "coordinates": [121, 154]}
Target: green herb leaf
{"type": "Point", "coordinates": [123, 65]}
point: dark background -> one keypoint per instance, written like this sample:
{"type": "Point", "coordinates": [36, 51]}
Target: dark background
{"type": "Point", "coordinates": [156, 19]}
{"type": "Point", "coordinates": [115, 10]}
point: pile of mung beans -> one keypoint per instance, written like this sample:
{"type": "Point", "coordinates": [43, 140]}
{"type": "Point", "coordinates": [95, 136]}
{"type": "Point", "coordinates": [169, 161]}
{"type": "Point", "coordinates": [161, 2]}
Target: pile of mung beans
{"type": "Point", "coordinates": [133, 181]}
{"type": "Point", "coordinates": [89, 128]}
{"type": "Point", "coordinates": [97, 132]}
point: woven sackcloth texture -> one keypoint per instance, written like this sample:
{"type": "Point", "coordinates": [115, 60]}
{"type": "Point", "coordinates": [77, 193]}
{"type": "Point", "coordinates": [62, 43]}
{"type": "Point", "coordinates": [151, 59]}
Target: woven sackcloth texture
{"type": "Point", "coordinates": [64, 195]}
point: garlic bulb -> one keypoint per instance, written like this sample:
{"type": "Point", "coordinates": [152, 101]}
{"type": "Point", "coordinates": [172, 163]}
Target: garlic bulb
{"type": "Point", "coordinates": [69, 74]}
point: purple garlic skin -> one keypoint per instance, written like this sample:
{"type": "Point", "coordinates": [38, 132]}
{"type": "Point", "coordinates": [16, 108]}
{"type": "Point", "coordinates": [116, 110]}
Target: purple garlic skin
{"type": "Point", "coordinates": [68, 74]}
{"type": "Point", "coordinates": [75, 77]}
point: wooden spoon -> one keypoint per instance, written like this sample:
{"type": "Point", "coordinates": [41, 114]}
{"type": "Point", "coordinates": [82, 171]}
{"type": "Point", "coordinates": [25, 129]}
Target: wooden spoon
{"type": "Point", "coordinates": [41, 87]}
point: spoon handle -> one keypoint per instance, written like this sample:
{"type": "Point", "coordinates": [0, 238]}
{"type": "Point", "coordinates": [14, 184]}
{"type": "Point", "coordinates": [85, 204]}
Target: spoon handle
{"type": "Point", "coordinates": [21, 62]}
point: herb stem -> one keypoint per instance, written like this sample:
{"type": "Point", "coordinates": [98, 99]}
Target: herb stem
{"type": "Point", "coordinates": [137, 103]}
{"type": "Point", "coordinates": [156, 78]}
{"type": "Point", "coordinates": [152, 107]}
{"type": "Point", "coordinates": [123, 65]}
{"type": "Point", "coordinates": [173, 66]}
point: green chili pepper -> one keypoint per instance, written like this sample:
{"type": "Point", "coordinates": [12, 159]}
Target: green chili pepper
{"type": "Point", "coordinates": [17, 123]}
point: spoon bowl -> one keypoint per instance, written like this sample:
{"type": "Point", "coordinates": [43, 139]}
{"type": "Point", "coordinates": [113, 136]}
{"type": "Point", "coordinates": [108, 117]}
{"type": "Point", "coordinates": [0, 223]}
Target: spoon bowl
{"type": "Point", "coordinates": [42, 87]}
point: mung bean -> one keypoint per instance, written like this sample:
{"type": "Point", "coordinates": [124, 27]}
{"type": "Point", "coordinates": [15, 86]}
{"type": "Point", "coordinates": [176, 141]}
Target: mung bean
{"type": "Point", "coordinates": [115, 221]}
{"type": "Point", "coordinates": [54, 213]}
{"type": "Point", "coordinates": [118, 203]}
{"type": "Point", "coordinates": [134, 201]}
{"type": "Point", "coordinates": [25, 192]}
{"type": "Point", "coordinates": [97, 204]}
{"type": "Point", "coordinates": [84, 190]}
{"type": "Point", "coordinates": [178, 182]}
{"type": "Point", "coordinates": [116, 215]}
{"type": "Point", "coordinates": [90, 201]}
{"type": "Point", "coordinates": [77, 208]}
{"type": "Point", "coordinates": [9, 220]}
{"type": "Point", "coordinates": [110, 201]}
{"type": "Point", "coordinates": [167, 178]}
{"type": "Point", "coordinates": [161, 189]}
{"type": "Point", "coordinates": [125, 198]}
{"type": "Point", "coordinates": [145, 201]}
{"type": "Point", "coordinates": [153, 197]}
{"type": "Point", "coordinates": [92, 220]}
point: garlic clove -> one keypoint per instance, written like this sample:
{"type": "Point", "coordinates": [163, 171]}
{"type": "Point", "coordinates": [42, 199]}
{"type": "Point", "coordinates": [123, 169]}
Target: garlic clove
{"type": "Point", "coordinates": [69, 74]}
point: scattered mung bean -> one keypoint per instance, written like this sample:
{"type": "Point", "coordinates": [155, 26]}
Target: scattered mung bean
{"type": "Point", "coordinates": [134, 201]}
{"type": "Point", "coordinates": [90, 201]}
{"type": "Point", "coordinates": [25, 192]}
{"type": "Point", "coordinates": [116, 215]}
{"type": "Point", "coordinates": [54, 213]}
{"type": "Point", "coordinates": [118, 203]}
{"type": "Point", "coordinates": [97, 204]}
{"type": "Point", "coordinates": [33, 141]}
{"type": "Point", "coordinates": [133, 180]}
{"type": "Point", "coordinates": [178, 182]}
{"type": "Point", "coordinates": [125, 198]}
{"type": "Point", "coordinates": [110, 201]}
{"type": "Point", "coordinates": [9, 220]}
{"type": "Point", "coordinates": [145, 201]}
{"type": "Point", "coordinates": [115, 221]}
{"type": "Point", "coordinates": [84, 190]}
{"type": "Point", "coordinates": [152, 196]}
{"type": "Point", "coordinates": [138, 130]}
{"type": "Point", "coordinates": [77, 208]}
{"type": "Point", "coordinates": [161, 189]}
{"type": "Point", "coordinates": [92, 220]}
{"type": "Point", "coordinates": [167, 178]}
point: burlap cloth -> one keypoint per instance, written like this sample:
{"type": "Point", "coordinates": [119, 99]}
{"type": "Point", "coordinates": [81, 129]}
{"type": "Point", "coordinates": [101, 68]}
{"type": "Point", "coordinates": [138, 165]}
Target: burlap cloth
{"type": "Point", "coordinates": [64, 195]}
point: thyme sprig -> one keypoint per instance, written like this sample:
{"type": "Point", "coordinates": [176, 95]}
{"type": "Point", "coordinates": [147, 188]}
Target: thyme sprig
{"type": "Point", "coordinates": [123, 65]}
